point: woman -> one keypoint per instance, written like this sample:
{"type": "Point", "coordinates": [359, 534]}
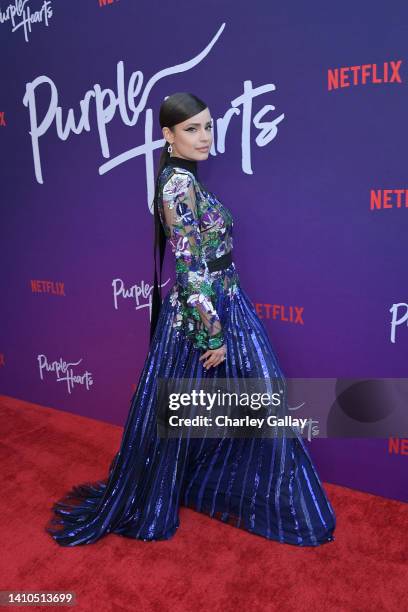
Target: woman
{"type": "Point", "coordinates": [205, 328]}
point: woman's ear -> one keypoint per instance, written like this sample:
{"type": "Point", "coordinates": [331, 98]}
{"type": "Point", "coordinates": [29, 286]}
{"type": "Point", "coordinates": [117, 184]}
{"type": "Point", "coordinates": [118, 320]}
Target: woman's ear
{"type": "Point", "coordinates": [166, 133]}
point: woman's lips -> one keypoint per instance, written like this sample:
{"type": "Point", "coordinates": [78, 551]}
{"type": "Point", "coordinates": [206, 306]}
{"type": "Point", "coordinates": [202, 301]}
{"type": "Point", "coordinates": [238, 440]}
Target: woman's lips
{"type": "Point", "coordinates": [203, 148]}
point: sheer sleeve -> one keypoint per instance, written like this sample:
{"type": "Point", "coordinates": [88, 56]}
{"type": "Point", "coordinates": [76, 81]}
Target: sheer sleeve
{"type": "Point", "coordinates": [198, 316]}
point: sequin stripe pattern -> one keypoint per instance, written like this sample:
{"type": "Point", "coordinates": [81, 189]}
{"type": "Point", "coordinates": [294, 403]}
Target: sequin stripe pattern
{"type": "Point", "coordinates": [195, 229]}
{"type": "Point", "coordinates": [268, 487]}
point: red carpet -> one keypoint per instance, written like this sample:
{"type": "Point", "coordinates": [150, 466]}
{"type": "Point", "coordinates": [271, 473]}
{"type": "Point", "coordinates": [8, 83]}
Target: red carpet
{"type": "Point", "coordinates": [207, 565]}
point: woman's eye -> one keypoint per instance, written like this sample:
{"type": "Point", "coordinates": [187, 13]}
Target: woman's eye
{"type": "Point", "coordinates": [209, 127]}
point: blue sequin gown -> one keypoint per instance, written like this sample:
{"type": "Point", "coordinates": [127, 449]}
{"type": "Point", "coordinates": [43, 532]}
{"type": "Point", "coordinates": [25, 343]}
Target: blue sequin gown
{"type": "Point", "coordinates": [266, 486]}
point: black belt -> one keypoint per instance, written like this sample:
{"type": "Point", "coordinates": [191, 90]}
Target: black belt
{"type": "Point", "coordinates": [220, 263]}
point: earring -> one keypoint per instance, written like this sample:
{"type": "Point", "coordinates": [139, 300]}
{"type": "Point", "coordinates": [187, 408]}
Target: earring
{"type": "Point", "coordinates": [170, 149]}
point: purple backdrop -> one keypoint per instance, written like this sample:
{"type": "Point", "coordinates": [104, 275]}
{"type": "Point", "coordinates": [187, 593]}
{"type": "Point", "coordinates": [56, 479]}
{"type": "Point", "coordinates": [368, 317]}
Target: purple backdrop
{"type": "Point", "coordinates": [297, 161]}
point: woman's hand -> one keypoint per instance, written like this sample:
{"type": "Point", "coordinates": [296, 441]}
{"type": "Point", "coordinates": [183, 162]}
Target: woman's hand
{"type": "Point", "coordinates": [214, 356]}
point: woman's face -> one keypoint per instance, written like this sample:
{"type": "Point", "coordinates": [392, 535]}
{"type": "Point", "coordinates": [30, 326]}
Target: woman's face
{"type": "Point", "coordinates": [191, 139]}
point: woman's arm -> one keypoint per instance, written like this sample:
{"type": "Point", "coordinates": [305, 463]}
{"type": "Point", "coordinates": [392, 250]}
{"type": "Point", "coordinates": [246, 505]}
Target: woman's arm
{"type": "Point", "coordinates": [193, 278]}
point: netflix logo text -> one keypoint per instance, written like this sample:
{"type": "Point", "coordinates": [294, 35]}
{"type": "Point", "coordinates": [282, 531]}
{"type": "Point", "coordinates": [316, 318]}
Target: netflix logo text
{"type": "Point", "coordinates": [43, 286]}
{"type": "Point", "coordinates": [287, 314]}
{"type": "Point", "coordinates": [364, 74]}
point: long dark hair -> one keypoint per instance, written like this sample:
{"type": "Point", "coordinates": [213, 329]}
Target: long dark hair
{"type": "Point", "coordinates": [175, 109]}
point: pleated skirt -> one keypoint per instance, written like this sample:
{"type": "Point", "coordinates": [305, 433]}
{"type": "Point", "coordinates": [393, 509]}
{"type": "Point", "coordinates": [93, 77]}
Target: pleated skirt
{"type": "Point", "coordinates": [266, 486]}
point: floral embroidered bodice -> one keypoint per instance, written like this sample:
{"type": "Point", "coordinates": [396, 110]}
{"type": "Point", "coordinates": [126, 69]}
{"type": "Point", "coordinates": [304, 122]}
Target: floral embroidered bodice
{"type": "Point", "coordinates": [199, 229]}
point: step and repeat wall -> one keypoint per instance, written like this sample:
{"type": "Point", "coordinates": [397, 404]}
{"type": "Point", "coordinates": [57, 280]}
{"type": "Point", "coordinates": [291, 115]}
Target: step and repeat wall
{"type": "Point", "coordinates": [309, 103]}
